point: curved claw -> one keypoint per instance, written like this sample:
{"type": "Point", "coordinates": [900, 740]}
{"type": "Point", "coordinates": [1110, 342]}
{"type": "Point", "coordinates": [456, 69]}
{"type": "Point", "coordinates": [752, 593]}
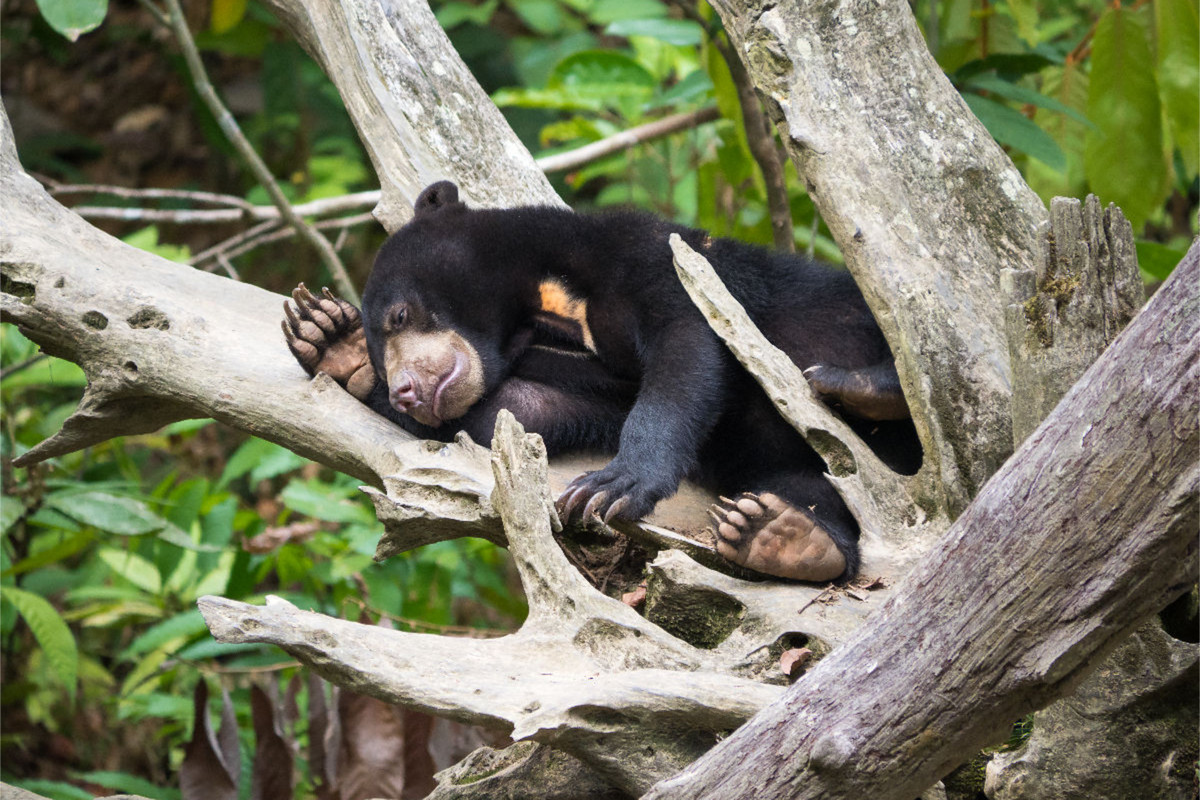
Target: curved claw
{"type": "Point", "coordinates": [569, 500]}
{"type": "Point", "coordinates": [616, 508]}
{"type": "Point", "coordinates": [595, 504]}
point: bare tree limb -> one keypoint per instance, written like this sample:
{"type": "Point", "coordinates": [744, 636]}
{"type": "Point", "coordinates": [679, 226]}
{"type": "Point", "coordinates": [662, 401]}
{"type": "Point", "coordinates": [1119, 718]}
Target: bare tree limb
{"type": "Point", "coordinates": [623, 140]}
{"type": "Point", "coordinates": [926, 207]}
{"type": "Point", "coordinates": [992, 592]}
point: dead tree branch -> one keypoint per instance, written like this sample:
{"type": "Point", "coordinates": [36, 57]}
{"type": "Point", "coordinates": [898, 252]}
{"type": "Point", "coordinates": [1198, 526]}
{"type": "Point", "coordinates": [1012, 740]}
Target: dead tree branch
{"type": "Point", "coordinates": [1118, 549]}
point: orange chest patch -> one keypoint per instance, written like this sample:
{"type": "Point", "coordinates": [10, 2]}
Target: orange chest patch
{"type": "Point", "coordinates": [565, 312]}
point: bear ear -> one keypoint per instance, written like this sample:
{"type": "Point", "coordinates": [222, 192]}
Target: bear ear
{"type": "Point", "coordinates": [435, 197]}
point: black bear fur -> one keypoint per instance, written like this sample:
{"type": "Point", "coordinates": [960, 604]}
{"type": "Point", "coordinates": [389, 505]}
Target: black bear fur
{"type": "Point", "coordinates": [696, 411]}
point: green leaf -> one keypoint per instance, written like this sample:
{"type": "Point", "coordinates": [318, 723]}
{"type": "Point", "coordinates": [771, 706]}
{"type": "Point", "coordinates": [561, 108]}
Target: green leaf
{"type": "Point", "coordinates": [603, 75]}
{"type": "Point", "coordinates": [73, 18]}
{"type": "Point", "coordinates": [606, 11]}
{"type": "Point", "coordinates": [321, 501]}
{"type": "Point", "coordinates": [1010, 127]}
{"type": "Point", "coordinates": [52, 634]}
{"type": "Point", "coordinates": [997, 85]}
{"type": "Point", "coordinates": [1158, 260]}
{"type": "Point", "coordinates": [52, 555]}
{"type": "Point", "coordinates": [182, 627]}
{"type": "Point", "coordinates": [225, 14]}
{"type": "Point", "coordinates": [260, 458]}
{"type": "Point", "coordinates": [133, 568]}
{"type": "Point", "coordinates": [47, 372]}
{"type": "Point", "coordinates": [56, 790]}
{"type": "Point", "coordinates": [1124, 156]}
{"type": "Point", "coordinates": [542, 16]}
{"type": "Point", "coordinates": [108, 512]}
{"type": "Point", "coordinates": [147, 239]}
{"type": "Point", "coordinates": [1068, 84]}
{"type": "Point", "coordinates": [1026, 15]}
{"type": "Point", "coordinates": [451, 15]}
{"type": "Point", "coordinates": [1014, 64]}
{"type": "Point", "coordinates": [681, 32]}
{"type": "Point", "coordinates": [1178, 75]}
{"type": "Point", "coordinates": [128, 784]}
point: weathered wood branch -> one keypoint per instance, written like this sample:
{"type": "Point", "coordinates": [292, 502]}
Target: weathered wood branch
{"type": "Point", "coordinates": [894, 525]}
{"type": "Point", "coordinates": [926, 208]}
{"type": "Point", "coordinates": [585, 672]}
{"type": "Point", "coordinates": [1087, 531]}
{"type": "Point", "coordinates": [420, 113]}
{"type": "Point", "coordinates": [1062, 315]}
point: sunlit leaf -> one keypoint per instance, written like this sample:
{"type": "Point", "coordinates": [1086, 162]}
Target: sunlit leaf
{"type": "Point", "coordinates": [1123, 156]}
{"type": "Point", "coordinates": [133, 568]}
{"type": "Point", "coordinates": [606, 11]}
{"type": "Point", "coordinates": [1025, 13]}
{"type": "Point", "coordinates": [1010, 127]}
{"type": "Point", "coordinates": [51, 633]}
{"type": "Point", "coordinates": [603, 75]}
{"type": "Point", "coordinates": [1179, 75]}
{"type": "Point", "coordinates": [73, 18]}
{"type": "Point", "coordinates": [226, 14]}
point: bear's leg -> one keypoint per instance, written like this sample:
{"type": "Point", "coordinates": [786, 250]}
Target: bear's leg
{"type": "Point", "coordinates": [869, 392]}
{"type": "Point", "coordinates": [325, 334]}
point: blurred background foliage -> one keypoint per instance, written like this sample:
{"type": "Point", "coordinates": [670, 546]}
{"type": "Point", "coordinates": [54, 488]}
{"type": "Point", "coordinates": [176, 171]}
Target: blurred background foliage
{"type": "Point", "coordinates": [105, 551]}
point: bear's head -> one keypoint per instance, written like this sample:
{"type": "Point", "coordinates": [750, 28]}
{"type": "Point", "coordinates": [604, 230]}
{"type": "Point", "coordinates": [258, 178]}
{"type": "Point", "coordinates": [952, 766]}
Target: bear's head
{"type": "Point", "coordinates": [439, 319]}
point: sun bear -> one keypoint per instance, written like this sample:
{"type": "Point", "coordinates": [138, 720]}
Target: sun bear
{"type": "Point", "coordinates": [457, 322]}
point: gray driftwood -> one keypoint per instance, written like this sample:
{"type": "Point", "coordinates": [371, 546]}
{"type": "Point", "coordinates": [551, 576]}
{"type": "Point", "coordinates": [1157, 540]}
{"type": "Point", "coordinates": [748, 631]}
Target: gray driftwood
{"type": "Point", "coordinates": [1039, 578]}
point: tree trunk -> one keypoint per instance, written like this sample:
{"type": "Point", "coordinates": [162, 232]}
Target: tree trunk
{"type": "Point", "coordinates": [1088, 530]}
{"type": "Point", "coordinates": [925, 206]}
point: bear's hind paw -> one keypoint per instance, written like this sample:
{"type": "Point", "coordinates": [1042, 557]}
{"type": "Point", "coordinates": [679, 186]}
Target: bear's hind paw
{"type": "Point", "coordinates": [769, 535]}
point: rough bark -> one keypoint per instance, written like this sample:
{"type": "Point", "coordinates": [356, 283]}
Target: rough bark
{"type": "Point", "coordinates": [1061, 317]}
{"type": "Point", "coordinates": [1129, 730]}
{"type": "Point", "coordinates": [1033, 585]}
{"type": "Point", "coordinates": [926, 208]}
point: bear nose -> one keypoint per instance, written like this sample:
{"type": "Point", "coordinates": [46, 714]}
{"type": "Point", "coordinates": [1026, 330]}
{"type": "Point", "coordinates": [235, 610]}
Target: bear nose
{"type": "Point", "coordinates": [404, 392]}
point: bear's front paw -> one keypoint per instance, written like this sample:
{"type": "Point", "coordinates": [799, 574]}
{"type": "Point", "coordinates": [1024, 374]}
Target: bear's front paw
{"type": "Point", "coordinates": [325, 334]}
{"type": "Point", "coordinates": [614, 492]}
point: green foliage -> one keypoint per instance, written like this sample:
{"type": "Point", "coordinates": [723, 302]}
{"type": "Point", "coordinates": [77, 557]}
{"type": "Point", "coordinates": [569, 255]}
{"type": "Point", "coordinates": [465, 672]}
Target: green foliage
{"type": "Point", "coordinates": [1123, 156]}
{"type": "Point", "coordinates": [73, 18]}
{"type": "Point", "coordinates": [105, 553]}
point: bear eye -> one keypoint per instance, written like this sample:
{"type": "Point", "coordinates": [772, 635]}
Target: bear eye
{"type": "Point", "coordinates": [398, 317]}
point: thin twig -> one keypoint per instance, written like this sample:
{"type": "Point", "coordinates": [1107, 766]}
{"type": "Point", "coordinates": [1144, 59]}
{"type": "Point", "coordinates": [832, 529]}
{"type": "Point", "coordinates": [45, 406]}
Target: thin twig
{"type": "Point", "coordinates": [627, 139]}
{"type": "Point", "coordinates": [231, 130]}
{"type": "Point", "coordinates": [210, 198]}
{"type": "Point", "coordinates": [315, 208]}
{"type": "Point", "coordinates": [279, 234]}
{"type": "Point", "coordinates": [234, 241]}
